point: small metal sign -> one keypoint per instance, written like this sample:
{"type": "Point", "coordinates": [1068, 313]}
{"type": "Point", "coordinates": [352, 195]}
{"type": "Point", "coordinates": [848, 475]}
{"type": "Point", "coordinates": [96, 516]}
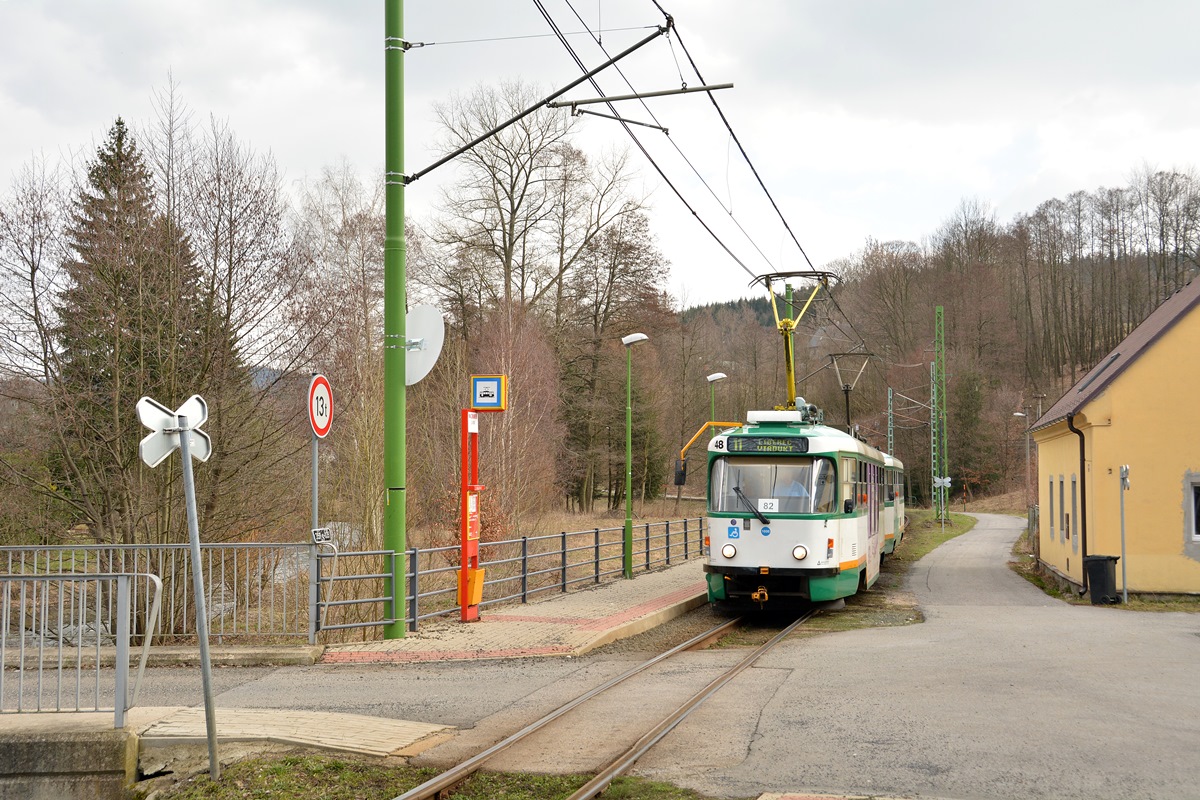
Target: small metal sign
{"type": "Point", "coordinates": [320, 405]}
{"type": "Point", "coordinates": [163, 438]}
{"type": "Point", "coordinates": [489, 392]}
{"type": "Point", "coordinates": [941, 483]}
{"type": "Point", "coordinates": [322, 536]}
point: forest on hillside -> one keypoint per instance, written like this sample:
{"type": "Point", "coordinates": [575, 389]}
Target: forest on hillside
{"type": "Point", "coordinates": [175, 262]}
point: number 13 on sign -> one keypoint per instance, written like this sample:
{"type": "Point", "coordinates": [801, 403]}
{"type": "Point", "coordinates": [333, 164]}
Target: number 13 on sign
{"type": "Point", "coordinates": [320, 405]}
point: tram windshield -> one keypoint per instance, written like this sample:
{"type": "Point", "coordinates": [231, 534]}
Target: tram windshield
{"type": "Point", "coordinates": [772, 485]}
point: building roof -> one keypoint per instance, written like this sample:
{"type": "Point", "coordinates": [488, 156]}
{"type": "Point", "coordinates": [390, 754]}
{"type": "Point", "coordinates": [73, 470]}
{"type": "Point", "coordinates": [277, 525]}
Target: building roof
{"type": "Point", "coordinates": [1161, 320]}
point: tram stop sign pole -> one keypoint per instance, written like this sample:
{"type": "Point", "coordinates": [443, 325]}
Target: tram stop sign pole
{"type": "Point", "coordinates": [488, 393]}
{"type": "Point", "coordinates": [181, 429]}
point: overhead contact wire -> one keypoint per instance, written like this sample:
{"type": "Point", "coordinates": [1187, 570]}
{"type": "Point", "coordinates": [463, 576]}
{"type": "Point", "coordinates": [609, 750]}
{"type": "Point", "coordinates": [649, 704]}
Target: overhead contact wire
{"type": "Point", "coordinates": [738, 142]}
{"type": "Point", "coordinates": [640, 146]}
{"type": "Point", "coordinates": [727, 209]}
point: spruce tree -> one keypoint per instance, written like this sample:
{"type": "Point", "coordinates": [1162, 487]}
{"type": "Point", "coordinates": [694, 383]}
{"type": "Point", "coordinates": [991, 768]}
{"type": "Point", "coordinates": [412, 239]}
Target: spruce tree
{"type": "Point", "coordinates": [127, 325]}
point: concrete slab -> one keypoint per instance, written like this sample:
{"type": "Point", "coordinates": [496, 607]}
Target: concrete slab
{"type": "Point", "coordinates": [352, 733]}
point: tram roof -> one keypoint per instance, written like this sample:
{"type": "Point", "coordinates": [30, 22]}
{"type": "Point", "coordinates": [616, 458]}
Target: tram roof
{"type": "Point", "coordinates": [822, 438]}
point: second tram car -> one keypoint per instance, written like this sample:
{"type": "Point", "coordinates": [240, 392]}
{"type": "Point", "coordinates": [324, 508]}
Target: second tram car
{"type": "Point", "coordinates": [798, 510]}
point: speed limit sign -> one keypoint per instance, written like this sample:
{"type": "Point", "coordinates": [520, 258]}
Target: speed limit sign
{"type": "Point", "coordinates": [320, 405]}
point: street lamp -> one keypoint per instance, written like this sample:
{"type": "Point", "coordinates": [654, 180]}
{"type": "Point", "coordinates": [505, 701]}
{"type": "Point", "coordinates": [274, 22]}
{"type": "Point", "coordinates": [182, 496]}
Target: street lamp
{"type": "Point", "coordinates": [629, 341]}
{"type": "Point", "coordinates": [1025, 417]}
{"type": "Point", "coordinates": [712, 394]}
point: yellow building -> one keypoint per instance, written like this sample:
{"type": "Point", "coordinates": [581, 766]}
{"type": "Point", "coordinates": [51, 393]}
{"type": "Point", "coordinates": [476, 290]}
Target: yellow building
{"type": "Point", "coordinates": [1139, 406]}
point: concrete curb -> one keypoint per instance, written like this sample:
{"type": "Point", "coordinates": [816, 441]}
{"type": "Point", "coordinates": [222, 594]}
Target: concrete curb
{"type": "Point", "coordinates": [181, 656]}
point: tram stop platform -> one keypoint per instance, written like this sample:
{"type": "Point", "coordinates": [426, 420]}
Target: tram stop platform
{"type": "Point", "coordinates": [562, 624]}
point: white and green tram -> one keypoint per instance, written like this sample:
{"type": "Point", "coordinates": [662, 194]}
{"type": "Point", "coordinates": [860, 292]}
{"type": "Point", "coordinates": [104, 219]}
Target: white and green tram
{"type": "Point", "coordinates": [797, 510]}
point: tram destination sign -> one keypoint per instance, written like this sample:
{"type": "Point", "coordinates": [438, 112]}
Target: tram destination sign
{"type": "Point", "coordinates": [768, 444]}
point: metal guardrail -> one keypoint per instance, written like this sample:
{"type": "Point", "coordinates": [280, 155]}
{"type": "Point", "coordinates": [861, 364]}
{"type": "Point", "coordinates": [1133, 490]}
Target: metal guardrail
{"type": "Point", "coordinates": [54, 624]}
{"type": "Point", "coordinates": [252, 590]}
{"type": "Point", "coordinates": [516, 570]}
{"type": "Point", "coordinates": [263, 592]}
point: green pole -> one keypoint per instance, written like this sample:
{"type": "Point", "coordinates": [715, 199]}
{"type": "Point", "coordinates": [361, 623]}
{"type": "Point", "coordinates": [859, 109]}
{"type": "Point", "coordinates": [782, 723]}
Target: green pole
{"type": "Point", "coordinates": [791, 347]}
{"type": "Point", "coordinates": [628, 544]}
{"type": "Point", "coordinates": [395, 304]}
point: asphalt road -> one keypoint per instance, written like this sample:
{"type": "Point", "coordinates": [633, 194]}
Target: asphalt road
{"type": "Point", "coordinates": [1001, 693]}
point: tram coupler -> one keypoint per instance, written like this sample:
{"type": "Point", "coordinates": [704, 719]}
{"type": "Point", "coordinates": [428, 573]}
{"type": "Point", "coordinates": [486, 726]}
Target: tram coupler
{"type": "Point", "coordinates": [759, 596]}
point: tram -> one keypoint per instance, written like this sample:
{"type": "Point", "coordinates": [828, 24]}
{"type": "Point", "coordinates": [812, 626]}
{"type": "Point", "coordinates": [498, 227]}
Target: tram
{"type": "Point", "coordinates": [797, 510]}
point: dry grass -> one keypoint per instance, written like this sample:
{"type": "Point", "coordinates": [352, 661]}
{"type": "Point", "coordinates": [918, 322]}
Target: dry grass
{"type": "Point", "coordinates": [1008, 503]}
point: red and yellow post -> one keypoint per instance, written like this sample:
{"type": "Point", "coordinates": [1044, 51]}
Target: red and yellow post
{"type": "Point", "coordinates": [488, 393]}
{"type": "Point", "coordinates": [470, 576]}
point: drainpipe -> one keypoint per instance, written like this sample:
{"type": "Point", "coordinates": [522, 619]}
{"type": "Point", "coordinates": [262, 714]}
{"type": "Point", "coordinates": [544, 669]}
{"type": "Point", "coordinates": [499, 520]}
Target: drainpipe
{"type": "Point", "coordinates": [1082, 500]}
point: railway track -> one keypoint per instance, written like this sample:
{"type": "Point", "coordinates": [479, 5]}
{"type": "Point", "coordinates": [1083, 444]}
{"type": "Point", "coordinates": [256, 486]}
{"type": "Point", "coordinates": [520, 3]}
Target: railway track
{"type": "Point", "coordinates": [434, 787]}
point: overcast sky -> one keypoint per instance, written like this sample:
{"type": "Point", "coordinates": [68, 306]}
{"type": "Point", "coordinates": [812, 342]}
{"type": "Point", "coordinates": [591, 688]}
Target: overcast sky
{"type": "Point", "coordinates": [866, 119]}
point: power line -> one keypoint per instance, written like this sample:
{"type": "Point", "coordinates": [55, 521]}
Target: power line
{"type": "Point", "coordinates": [554, 26]}
{"type": "Point", "coordinates": [737, 141]}
{"type": "Point", "coordinates": [675, 145]}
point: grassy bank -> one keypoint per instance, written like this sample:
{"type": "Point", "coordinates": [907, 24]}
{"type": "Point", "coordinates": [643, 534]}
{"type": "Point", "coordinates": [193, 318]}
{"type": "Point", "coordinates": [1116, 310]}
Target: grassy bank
{"type": "Point", "coordinates": [306, 776]}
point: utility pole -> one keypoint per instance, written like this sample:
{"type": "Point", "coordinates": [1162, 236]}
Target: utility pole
{"type": "Point", "coordinates": [940, 380]}
{"type": "Point", "coordinates": [891, 426]}
{"type": "Point", "coordinates": [395, 305]}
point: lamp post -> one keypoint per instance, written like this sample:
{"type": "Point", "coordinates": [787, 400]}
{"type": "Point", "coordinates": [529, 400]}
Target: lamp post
{"type": "Point", "coordinates": [1024, 416]}
{"type": "Point", "coordinates": [712, 396]}
{"type": "Point", "coordinates": [627, 549]}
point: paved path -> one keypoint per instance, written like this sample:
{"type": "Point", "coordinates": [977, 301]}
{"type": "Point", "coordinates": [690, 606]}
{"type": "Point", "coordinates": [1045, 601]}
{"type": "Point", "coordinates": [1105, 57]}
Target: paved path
{"type": "Point", "coordinates": [1001, 693]}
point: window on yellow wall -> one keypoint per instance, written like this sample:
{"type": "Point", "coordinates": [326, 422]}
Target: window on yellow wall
{"type": "Point", "coordinates": [1050, 494]}
{"type": "Point", "coordinates": [1195, 512]}
{"type": "Point", "coordinates": [1062, 508]}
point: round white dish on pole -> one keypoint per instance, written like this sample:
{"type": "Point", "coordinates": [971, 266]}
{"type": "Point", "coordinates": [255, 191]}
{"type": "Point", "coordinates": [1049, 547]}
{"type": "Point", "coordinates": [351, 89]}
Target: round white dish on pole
{"type": "Point", "coordinates": [425, 332]}
{"type": "Point", "coordinates": [320, 406]}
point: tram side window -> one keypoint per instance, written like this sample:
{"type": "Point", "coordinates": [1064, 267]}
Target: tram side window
{"type": "Point", "coordinates": [849, 475]}
{"type": "Point", "coordinates": [824, 485]}
{"type": "Point", "coordinates": [891, 486]}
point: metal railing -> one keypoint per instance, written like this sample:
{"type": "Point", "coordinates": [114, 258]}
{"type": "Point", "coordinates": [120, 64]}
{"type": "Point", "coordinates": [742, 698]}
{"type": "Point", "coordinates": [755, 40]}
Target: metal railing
{"type": "Point", "coordinates": [357, 596]}
{"type": "Point", "coordinates": [264, 592]}
{"type": "Point", "coordinates": [54, 625]}
{"type": "Point", "coordinates": [252, 590]}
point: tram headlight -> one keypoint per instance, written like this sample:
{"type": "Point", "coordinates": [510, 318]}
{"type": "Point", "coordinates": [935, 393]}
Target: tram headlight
{"type": "Point", "coordinates": [729, 551]}
{"type": "Point", "coordinates": [799, 552]}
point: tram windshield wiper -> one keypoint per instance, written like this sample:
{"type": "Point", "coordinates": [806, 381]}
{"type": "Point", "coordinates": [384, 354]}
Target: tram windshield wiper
{"type": "Point", "coordinates": [758, 514]}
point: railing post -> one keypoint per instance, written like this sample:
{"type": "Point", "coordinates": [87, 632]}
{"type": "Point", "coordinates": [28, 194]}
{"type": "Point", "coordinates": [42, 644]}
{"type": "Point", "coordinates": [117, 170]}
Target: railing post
{"type": "Point", "coordinates": [596, 548]}
{"type": "Point", "coordinates": [564, 561]}
{"type": "Point", "coordinates": [524, 569]}
{"type": "Point", "coordinates": [121, 691]}
{"type": "Point", "coordinates": [414, 570]}
{"type": "Point", "coordinates": [668, 537]}
{"type": "Point", "coordinates": [685, 539]}
{"type": "Point", "coordinates": [647, 546]}
{"type": "Point", "coordinates": [314, 592]}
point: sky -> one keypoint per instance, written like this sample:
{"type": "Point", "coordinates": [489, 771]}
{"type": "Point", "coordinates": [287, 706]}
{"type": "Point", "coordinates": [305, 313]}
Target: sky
{"type": "Point", "coordinates": [865, 120]}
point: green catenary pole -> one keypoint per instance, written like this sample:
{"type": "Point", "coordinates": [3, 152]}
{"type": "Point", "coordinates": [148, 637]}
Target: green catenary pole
{"type": "Point", "coordinates": [891, 425]}
{"type": "Point", "coordinates": [395, 303]}
{"type": "Point", "coordinates": [943, 454]}
{"type": "Point", "coordinates": [627, 543]}
{"type": "Point", "coordinates": [791, 342]}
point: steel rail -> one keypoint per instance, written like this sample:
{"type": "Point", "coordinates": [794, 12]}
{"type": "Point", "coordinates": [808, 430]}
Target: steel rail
{"type": "Point", "coordinates": [624, 762]}
{"type": "Point", "coordinates": [459, 773]}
